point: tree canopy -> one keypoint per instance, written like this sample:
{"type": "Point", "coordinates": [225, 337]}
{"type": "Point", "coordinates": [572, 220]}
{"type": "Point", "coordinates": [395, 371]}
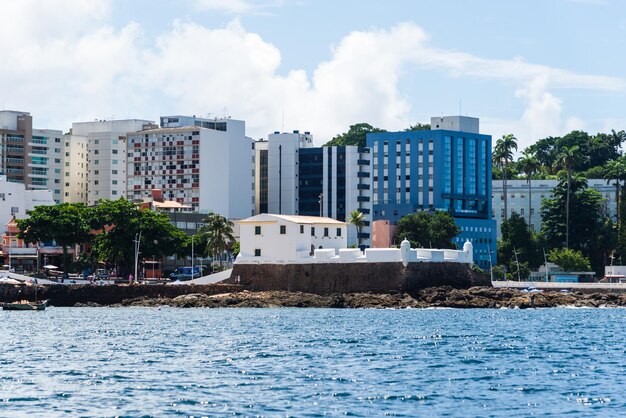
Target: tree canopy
{"type": "Point", "coordinates": [356, 135]}
{"type": "Point", "coordinates": [428, 229]}
{"type": "Point", "coordinates": [67, 224]}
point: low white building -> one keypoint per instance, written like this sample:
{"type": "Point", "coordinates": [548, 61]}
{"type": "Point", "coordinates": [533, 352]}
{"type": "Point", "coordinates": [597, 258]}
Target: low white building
{"type": "Point", "coordinates": [15, 200]}
{"type": "Point", "coordinates": [288, 238]}
{"type": "Point", "coordinates": [294, 239]}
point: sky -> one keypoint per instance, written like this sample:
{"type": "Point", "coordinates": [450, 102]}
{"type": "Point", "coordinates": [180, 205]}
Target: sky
{"type": "Point", "coordinates": [531, 68]}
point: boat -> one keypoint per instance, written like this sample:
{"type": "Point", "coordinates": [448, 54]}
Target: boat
{"type": "Point", "coordinates": [25, 305]}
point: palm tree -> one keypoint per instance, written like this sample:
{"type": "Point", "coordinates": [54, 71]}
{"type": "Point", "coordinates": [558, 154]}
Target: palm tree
{"type": "Point", "coordinates": [217, 231]}
{"type": "Point", "coordinates": [502, 156]}
{"type": "Point", "coordinates": [529, 165]}
{"type": "Point", "coordinates": [616, 170]}
{"type": "Point", "coordinates": [357, 218]}
{"type": "Point", "coordinates": [566, 160]}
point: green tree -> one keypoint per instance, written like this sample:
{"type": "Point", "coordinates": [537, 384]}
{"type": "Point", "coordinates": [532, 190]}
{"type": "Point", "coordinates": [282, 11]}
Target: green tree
{"type": "Point", "coordinates": [528, 165]}
{"type": "Point", "coordinates": [418, 127]}
{"type": "Point", "coordinates": [589, 230]}
{"type": "Point", "coordinates": [569, 259]}
{"type": "Point", "coordinates": [355, 136]}
{"type": "Point", "coordinates": [518, 237]}
{"type": "Point", "coordinates": [217, 233]}
{"type": "Point", "coordinates": [615, 170]}
{"type": "Point", "coordinates": [566, 160]}
{"type": "Point", "coordinates": [357, 219]}
{"type": "Point", "coordinates": [502, 157]}
{"type": "Point", "coordinates": [428, 230]}
{"type": "Point", "coordinates": [118, 223]}
{"type": "Point", "coordinates": [67, 224]}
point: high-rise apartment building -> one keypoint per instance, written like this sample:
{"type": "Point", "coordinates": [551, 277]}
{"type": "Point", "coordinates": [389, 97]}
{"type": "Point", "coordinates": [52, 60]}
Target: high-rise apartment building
{"type": "Point", "coordinates": [30, 156]}
{"type": "Point", "coordinates": [446, 168]}
{"type": "Point", "coordinates": [306, 180]}
{"type": "Point", "coordinates": [106, 155]}
{"type": "Point", "coordinates": [209, 169]}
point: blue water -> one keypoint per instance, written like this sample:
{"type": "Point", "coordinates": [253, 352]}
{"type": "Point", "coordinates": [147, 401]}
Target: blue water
{"type": "Point", "coordinates": [312, 362]}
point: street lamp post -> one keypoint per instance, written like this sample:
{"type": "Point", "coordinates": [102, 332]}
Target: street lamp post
{"type": "Point", "coordinates": [490, 266]}
{"type": "Point", "coordinates": [192, 254]}
{"type": "Point", "coordinates": [136, 241]}
{"type": "Point", "coordinates": [321, 204]}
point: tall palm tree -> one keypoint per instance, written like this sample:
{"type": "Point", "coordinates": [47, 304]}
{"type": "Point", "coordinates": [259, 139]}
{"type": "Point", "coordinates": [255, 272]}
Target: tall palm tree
{"type": "Point", "coordinates": [357, 218]}
{"type": "Point", "coordinates": [502, 156]}
{"type": "Point", "coordinates": [616, 170]}
{"type": "Point", "coordinates": [529, 165]}
{"type": "Point", "coordinates": [217, 231]}
{"type": "Point", "coordinates": [566, 160]}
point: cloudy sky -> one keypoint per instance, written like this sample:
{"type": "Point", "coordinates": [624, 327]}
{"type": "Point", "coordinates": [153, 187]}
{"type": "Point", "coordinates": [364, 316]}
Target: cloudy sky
{"type": "Point", "coordinates": [532, 68]}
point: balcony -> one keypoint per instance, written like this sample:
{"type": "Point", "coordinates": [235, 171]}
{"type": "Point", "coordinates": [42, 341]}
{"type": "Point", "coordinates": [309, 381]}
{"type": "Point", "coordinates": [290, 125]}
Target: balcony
{"type": "Point", "coordinates": [363, 162]}
{"type": "Point", "coordinates": [362, 186]}
{"type": "Point", "coordinates": [363, 174]}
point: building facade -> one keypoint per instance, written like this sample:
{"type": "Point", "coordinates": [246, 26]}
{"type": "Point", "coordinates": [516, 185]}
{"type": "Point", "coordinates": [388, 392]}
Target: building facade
{"type": "Point", "coordinates": [105, 172]}
{"type": "Point", "coordinates": [30, 156]}
{"type": "Point", "coordinates": [314, 181]}
{"type": "Point", "coordinates": [207, 169]}
{"type": "Point", "coordinates": [444, 168]}
{"type": "Point", "coordinates": [518, 195]}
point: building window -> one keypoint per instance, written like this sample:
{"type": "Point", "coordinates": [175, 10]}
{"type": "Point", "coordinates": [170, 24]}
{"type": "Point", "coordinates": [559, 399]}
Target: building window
{"type": "Point", "coordinates": [257, 252]}
{"type": "Point", "coordinates": [283, 229]}
{"type": "Point", "coordinates": [325, 232]}
{"type": "Point", "coordinates": [302, 229]}
{"type": "Point", "coordinates": [257, 231]}
{"type": "Point", "coordinates": [338, 232]}
{"type": "Point", "coordinates": [312, 231]}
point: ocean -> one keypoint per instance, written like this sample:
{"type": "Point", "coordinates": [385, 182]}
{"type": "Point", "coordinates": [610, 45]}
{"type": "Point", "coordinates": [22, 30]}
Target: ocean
{"type": "Point", "coordinates": [312, 362]}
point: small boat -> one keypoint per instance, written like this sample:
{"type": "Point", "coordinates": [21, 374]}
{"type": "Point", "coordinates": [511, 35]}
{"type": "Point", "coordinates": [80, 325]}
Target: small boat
{"type": "Point", "coordinates": [25, 305]}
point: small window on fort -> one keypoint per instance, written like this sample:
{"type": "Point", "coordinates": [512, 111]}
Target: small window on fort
{"type": "Point", "coordinates": [312, 231]}
{"type": "Point", "coordinates": [257, 230]}
{"type": "Point", "coordinates": [338, 232]}
{"type": "Point", "coordinates": [325, 232]}
{"type": "Point", "coordinates": [257, 252]}
{"type": "Point", "coordinates": [283, 229]}
{"type": "Point", "coordinates": [302, 229]}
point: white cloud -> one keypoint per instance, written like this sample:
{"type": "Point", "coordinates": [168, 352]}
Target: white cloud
{"type": "Point", "coordinates": [92, 70]}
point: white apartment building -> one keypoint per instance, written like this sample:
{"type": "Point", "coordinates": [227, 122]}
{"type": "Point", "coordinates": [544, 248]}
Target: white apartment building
{"type": "Point", "coordinates": [283, 171]}
{"type": "Point", "coordinates": [207, 169]}
{"type": "Point", "coordinates": [517, 191]}
{"type": "Point", "coordinates": [106, 155]}
{"type": "Point", "coordinates": [75, 169]}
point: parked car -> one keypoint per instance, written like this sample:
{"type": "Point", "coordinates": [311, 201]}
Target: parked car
{"type": "Point", "coordinates": [101, 274]}
{"type": "Point", "coordinates": [185, 273]}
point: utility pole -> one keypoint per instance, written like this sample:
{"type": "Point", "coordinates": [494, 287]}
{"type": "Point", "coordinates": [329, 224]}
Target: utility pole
{"type": "Point", "coordinates": [490, 266]}
{"type": "Point", "coordinates": [136, 241]}
{"type": "Point", "coordinates": [516, 262]}
{"type": "Point", "coordinates": [545, 261]}
{"type": "Point", "coordinates": [192, 270]}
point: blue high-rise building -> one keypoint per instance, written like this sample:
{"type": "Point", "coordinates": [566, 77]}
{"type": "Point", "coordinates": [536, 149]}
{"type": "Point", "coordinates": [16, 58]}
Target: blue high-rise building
{"type": "Point", "coordinates": [446, 168]}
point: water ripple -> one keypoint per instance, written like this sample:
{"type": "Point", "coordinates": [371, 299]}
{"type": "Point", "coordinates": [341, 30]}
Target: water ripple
{"type": "Point", "coordinates": [313, 362]}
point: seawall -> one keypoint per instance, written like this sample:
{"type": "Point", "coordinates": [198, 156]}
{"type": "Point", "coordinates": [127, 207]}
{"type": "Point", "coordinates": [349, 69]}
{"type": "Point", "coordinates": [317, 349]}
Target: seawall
{"type": "Point", "coordinates": [329, 278]}
{"type": "Point", "coordinates": [70, 295]}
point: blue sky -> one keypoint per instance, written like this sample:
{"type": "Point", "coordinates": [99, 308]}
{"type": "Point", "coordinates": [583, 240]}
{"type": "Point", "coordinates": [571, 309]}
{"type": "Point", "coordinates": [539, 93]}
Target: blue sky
{"type": "Point", "coordinates": [533, 68]}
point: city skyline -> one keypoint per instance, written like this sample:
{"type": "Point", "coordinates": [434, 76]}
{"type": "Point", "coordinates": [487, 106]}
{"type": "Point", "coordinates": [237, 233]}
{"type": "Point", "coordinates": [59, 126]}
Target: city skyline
{"type": "Point", "coordinates": [522, 68]}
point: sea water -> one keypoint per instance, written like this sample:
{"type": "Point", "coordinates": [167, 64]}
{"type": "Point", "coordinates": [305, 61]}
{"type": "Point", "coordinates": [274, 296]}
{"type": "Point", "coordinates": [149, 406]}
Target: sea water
{"type": "Point", "coordinates": [312, 362]}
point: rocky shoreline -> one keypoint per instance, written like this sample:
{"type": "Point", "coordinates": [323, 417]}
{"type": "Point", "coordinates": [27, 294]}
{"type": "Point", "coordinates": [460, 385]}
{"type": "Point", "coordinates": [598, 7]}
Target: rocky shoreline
{"type": "Point", "coordinates": [435, 297]}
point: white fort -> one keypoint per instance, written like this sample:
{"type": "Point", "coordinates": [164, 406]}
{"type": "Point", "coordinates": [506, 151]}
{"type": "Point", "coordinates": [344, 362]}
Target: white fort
{"type": "Point", "coordinates": [292, 239]}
